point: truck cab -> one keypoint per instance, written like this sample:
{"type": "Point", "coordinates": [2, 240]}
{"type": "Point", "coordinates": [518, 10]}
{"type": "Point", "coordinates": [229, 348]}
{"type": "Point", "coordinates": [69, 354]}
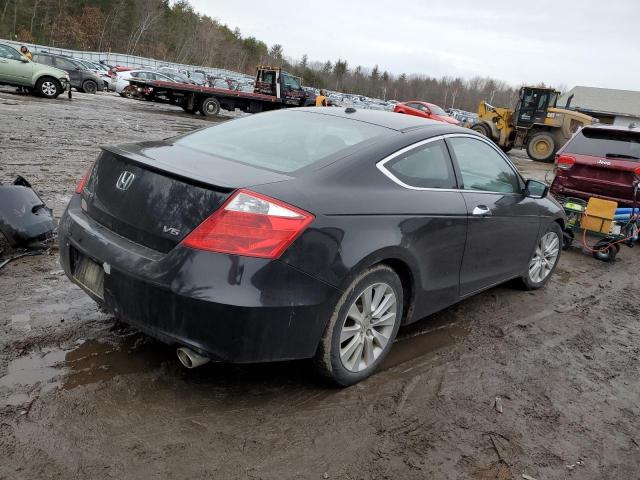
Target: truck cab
{"type": "Point", "coordinates": [277, 83]}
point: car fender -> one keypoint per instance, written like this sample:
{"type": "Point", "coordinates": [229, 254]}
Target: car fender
{"type": "Point", "coordinates": [46, 71]}
{"type": "Point", "coordinates": [401, 261]}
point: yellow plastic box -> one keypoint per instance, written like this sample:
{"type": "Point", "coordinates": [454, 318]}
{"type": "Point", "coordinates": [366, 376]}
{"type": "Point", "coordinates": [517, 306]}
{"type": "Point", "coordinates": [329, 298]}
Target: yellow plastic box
{"type": "Point", "coordinates": [599, 215]}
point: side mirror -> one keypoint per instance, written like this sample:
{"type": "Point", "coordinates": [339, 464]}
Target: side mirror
{"type": "Point", "coordinates": [535, 189]}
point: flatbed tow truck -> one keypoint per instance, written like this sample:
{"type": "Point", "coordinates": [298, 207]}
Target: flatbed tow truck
{"type": "Point", "coordinates": [274, 89]}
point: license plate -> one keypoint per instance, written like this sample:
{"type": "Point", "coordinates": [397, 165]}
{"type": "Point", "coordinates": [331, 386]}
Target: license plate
{"type": "Point", "coordinates": [90, 275]}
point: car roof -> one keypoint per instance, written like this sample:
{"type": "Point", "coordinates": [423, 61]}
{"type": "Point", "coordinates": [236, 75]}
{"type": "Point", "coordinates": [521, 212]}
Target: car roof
{"type": "Point", "coordinates": [635, 128]}
{"type": "Point", "coordinates": [394, 121]}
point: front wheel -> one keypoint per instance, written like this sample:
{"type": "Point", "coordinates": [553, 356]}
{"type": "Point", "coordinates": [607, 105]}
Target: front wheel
{"type": "Point", "coordinates": [362, 328]}
{"type": "Point", "coordinates": [544, 259]}
{"type": "Point", "coordinates": [48, 87]}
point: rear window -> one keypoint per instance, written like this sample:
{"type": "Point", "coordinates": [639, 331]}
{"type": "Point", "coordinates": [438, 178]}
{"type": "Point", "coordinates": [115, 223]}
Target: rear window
{"type": "Point", "coordinates": [606, 143]}
{"type": "Point", "coordinates": [282, 141]}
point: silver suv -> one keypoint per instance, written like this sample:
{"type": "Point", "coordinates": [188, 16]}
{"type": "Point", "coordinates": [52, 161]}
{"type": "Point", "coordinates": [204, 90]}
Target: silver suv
{"type": "Point", "coordinates": [18, 70]}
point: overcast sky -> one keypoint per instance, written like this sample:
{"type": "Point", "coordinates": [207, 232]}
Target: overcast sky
{"type": "Point", "coordinates": [561, 42]}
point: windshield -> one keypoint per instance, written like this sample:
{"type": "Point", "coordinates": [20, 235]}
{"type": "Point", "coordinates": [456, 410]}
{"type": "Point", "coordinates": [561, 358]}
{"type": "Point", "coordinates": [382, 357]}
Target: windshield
{"type": "Point", "coordinates": [282, 141]}
{"type": "Point", "coordinates": [601, 142]}
{"type": "Point", "coordinates": [437, 110]}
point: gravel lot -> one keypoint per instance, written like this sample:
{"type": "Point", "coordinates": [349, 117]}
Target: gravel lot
{"type": "Point", "coordinates": [82, 396]}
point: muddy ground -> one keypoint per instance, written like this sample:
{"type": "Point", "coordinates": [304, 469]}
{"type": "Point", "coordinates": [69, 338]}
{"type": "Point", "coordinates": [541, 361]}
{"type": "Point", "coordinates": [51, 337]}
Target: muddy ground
{"type": "Point", "coordinates": [84, 397]}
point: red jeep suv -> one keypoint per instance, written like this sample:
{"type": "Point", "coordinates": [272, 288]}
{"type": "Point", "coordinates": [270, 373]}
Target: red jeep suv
{"type": "Point", "coordinates": [601, 161]}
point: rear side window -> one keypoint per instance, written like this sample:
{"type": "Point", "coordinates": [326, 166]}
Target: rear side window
{"type": "Point", "coordinates": [605, 143]}
{"type": "Point", "coordinates": [282, 141]}
{"type": "Point", "coordinates": [65, 64]}
{"type": "Point", "coordinates": [44, 59]}
{"type": "Point", "coordinates": [482, 167]}
{"type": "Point", "coordinates": [427, 166]}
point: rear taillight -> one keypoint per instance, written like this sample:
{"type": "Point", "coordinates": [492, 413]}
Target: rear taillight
{"type": "Point", "coordinates": [565, 162]}
{"type": "Point", "coordinates": [637, 171]}
{"type": "Point", "coordinates": [83, 180]}
{"type": "Point", "coordinates": [250, 224]}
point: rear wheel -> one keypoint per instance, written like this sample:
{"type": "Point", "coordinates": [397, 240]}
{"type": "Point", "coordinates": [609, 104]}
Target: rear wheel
{"type": "Point", "coordinates": [129, 92]}
{"type": "Point", "coordinates": [362, 328]}
{"type": "Point", "coordinates": [605, 250]}
{"type": "Point", "coordinates": [544, 259]}
{"type": "Point", "coordinates": [48, 87]}
{"type": "Point", "coordinates": [89, 86]}
{"type": "Point", "coordinates": [541, 147]}
{"type": "Point", "coordinates": [210, 107]}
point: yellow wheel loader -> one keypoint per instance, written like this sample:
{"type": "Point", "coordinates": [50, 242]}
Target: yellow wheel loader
{"type": "Point", "coordinates": [535, 124]}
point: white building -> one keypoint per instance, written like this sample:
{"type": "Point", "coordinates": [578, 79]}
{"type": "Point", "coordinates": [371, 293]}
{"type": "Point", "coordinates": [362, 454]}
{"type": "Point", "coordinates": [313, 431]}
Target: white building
{"type": "Point", "coordinates": [610, 106]}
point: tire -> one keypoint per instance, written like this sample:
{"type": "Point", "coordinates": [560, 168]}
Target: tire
{"type": "Point", "coordinates": [129, 92]}
{"type": "Point", "coordinates": [210, 107]}
{"type": "Point", "coordinates": [89, 86]}
{"type": "Point", "coordinates": [48, 87]}
{"type": "Point", "coordinates": [542, 257]}
{"type": "Point", "coordinates": [482, 129]}
{"type": "Point", "coordinates": [346, 363]}
{"type": "Point", "coordinates": [541, 147]}
{"type": "Point", "coordinates": [605, 251]}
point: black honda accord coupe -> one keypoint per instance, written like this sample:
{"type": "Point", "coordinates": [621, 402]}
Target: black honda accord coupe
{"type": "Point", "coordinates": [303, 233]}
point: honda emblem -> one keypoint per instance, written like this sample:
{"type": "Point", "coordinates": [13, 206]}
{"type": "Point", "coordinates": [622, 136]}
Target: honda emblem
{"type": "Point", "coordinates": [125, 180]}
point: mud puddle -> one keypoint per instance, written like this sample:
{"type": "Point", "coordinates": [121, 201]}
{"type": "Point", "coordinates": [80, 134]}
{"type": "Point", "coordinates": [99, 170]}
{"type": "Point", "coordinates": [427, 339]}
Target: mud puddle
{"type": "Point", "coordinates": [87, 362]}
{"type": "Point", "coordinates": [414, 345]}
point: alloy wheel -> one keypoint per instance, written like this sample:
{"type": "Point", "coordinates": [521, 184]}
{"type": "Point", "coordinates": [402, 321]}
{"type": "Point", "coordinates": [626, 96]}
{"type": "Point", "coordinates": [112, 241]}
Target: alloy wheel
{"type": "Point", "coordinates": [367, 327]}
{"type": "Point", "coordinates": [544, 258]}
{"type": "Point", "coordinates": [48, 88]}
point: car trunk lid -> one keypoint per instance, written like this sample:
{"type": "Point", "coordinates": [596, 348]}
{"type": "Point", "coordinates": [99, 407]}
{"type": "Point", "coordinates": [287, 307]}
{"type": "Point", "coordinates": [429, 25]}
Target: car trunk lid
{"type": "Point", "coordinates": [156, 193]}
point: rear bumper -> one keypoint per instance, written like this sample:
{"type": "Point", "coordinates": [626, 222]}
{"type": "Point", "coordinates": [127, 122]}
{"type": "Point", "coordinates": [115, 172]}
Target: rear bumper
{"type": "Point", "coordinates": [230, 308]}
{"type": "Point", "coordinates": [562, 191]}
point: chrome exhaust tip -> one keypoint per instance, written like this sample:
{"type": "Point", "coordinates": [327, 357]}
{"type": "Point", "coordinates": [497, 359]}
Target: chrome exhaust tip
{"type": "Point", "coordinates": [190, 359]}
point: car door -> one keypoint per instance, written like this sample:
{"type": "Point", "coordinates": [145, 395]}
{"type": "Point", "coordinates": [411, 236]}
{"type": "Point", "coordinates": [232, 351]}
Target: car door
{"type": "Point", "coordinates": [75, 74]}
{"type": "Point", "coordinates": [503, 223]}
{"type": "Point", "coordinates": [12, 67]}
{"type": "Point", "coordinates": [436, 222]}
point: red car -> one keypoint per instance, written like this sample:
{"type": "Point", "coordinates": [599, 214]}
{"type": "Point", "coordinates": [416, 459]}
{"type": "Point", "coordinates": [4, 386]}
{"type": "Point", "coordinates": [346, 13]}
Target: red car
{"type": "Point", "coordinates": [426, 110]}
{"type": "Point", "coordinates": [601, 161]}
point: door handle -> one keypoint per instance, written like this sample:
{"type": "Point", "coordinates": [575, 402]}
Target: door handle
{"type": "Point", "coordinates": [481, 211]}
